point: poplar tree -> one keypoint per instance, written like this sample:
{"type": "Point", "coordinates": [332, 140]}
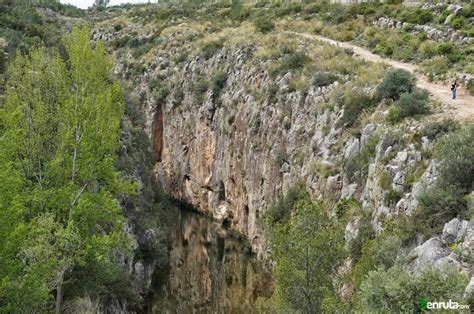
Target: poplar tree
{"type": "Point", "coordinates": [307, 250]}
{"type": "Point", "coordinates": [59, 213]}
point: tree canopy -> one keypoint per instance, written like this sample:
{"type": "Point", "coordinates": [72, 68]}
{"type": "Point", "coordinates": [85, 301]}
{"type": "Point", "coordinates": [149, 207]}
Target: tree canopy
{"type": "Point", "coordinates": [59, 209]}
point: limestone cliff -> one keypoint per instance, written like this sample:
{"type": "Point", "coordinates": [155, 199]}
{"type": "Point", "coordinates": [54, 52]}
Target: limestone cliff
{"type": "Point", "coordinates": [233, 126]}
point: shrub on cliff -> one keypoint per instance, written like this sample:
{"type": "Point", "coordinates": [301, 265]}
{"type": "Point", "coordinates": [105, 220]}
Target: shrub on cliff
{"type": "Point", "coordinates": [408, 105]}
{"type": "Point", "coordinates": [446, 199]}
{"type": "Point", "coordinates": [354, 104]}
{"type": "Point", "coordinates": [395, 83]}
{"type": "Point", "coordinates": [291, 61]}
{"type": "Point", "coordinates": [397, 290]}
{"type": "Point", "coordinates": [211, 47]}
{"type": "Point", "coordinates": [321, 79]}
{"type": "Point", "coordinates": [218, 82]}
{"type": "Point", "coordinates": [282, 207]}
{"type": "Point", "coordinates": [263, 24]}
{"type": "Point", "coordinates": [470, 86]}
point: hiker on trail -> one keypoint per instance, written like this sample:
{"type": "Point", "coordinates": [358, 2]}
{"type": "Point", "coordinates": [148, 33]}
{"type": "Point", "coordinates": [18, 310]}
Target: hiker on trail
{"type": "Point", "coordinates": [453, 89]}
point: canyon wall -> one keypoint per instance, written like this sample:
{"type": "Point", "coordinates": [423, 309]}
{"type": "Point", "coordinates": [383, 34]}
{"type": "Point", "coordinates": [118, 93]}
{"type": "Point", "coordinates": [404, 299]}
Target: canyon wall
{"type": "Point", "coordinates": [233, 154]}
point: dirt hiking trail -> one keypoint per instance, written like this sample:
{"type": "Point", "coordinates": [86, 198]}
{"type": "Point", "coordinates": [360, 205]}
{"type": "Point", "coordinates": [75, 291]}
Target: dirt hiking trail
{"type": "Point", "coordinates": [462, 106]}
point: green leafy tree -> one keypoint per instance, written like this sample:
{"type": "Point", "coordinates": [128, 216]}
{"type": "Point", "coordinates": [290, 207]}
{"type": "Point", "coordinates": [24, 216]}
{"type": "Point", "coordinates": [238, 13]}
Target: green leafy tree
{"type": "Point", "coordinates": [307, 251]}
{"type": "Point", "coordinates": [59, 212]}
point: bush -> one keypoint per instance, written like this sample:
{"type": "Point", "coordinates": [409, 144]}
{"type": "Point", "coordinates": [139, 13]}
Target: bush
{"type": "Point", "coordinates": [446, 48]}
{"type": "Point", "coordinates": [438, 205]}
{"type": "Point", "coordinates": [321, 79]}
{"type": "Point", "coordinates": [446, 199]}
{"type": "Point", "coordinates": [380, 252]}
{"type": "Point", "coordinates": [396, 290]}
{"type": "Point", "coordinates": [217, 83]}
{"type": "Point", "coordinates": [456, 156]}
{"type": "Point", "coordinates": [470, 87]}
{"type": "Point", "coordinates": [200, 86]}
{"type": "Point", "coordinates": [408, 105]}
{"type": "Point", "coordinates": [417, 16]}
{"type": "Point", "coordinates": [118, 27]}
{"type": "Point", "coordinates": [264, 24]}
{"type": "Point", "coordinates": [282, 207]}
{"type": "Point", "coordinates": [436, 129]}
{"type": "Point", "coordinates": [457, 22]}
{"type": "Point", "coordinates": [436, 66]}
{"type": "Point", "coordinates": [395, 83]}
{"type": "Point", "coordinates": [413, 103]}
{"type": "Point", "coordinates": [160, 94]}
{"type": "Point", "coordinates": [393, 115]}
{"type": "Point", "coordinates": [292, 61]}
{"type": "Point", "coordinates": [211, 47]}
{"type": "Point", "coordinates": [354, 104]}
{"type": "Point", "coordinates": [392, 198]}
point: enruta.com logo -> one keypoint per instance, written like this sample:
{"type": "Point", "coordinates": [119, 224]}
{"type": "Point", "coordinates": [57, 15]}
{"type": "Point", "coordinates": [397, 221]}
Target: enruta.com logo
{"type": "Point", "coordinates": [449, 305]}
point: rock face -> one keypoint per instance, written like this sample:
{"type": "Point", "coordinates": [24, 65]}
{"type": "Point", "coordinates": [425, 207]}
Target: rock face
{"type": "Point", "coordinates": [453, 248]}
{"type": "Point", "coordinates": [432, 33]}
{"type": "Point", "coordinates": [233, 152]}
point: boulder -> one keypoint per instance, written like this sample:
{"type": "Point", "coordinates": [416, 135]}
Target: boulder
{"type": "Point", "coordinates": [454, 230]}
{"type": "Point", "coordinates": [427, 254]}
{"type": "Point", "coordinates": [469, 288]}
{"type": "Point", "coordinates": [449, 18]}
{"type": "Point", "coordinates": [352, 148]}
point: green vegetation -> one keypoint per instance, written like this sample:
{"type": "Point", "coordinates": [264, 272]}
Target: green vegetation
{"type": "Point", "coordinates": [470, 87]}
{"type": "Point", "coordinates": [395, 83]}
{"type": "Point", "coordinates": [355, 102]}
{"type": "Point", "coordinates": [281, 209]}
{"type": "Point", "coordinates": [307, 248]}
{"type": "Point", "coordinates": [264, 24]}
{"type": "Point", "coordinates": [291, 61]}
{"type": "Point", "coordinates": [209, 48]}
{"type": "Point", "coordinates": [306, 240]}
{"type": "Point", "coordinates": [398, 290]}
{"type": "Point", "coordinates": [437, 129]}
{"type": "Point", "coordinates": [321, 79]}
{"type": "Point", "coordinates": [200, 86]}
{"type": "Point", "coordinates": [408, 105]}
{"type": "Point", "coordinates": [446, 199]}
{"type": "Point", "coordinates": [400, 85]}
{"type": "Point", "coordinates": [376, 253]}
{"type": "Point", "coordinates": [60, 127]}
{"type": "Point", "coordinates": [217, 83]}
{"type": "Point", "coordinates": [23, 25]}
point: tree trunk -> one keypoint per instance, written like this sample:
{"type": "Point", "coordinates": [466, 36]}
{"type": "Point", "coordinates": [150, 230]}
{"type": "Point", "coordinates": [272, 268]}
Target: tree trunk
{"type": "Point", "coordinates": [59, 292]}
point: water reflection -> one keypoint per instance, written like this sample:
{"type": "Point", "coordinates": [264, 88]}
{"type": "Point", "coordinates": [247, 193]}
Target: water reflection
{"type": "Point", "coordinates": [210, 272]}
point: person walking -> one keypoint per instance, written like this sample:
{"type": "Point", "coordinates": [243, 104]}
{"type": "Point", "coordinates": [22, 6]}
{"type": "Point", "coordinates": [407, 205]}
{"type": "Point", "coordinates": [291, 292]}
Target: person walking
{"type": "Point", "coordinates": [454, 86]}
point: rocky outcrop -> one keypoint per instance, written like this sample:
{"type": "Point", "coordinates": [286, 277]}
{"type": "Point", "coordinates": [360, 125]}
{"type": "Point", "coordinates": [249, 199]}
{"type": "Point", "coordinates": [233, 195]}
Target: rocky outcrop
{"type": "Point", "coordinates": [453, 248]}
{"type": "Point", "coordinates": [432, 33]}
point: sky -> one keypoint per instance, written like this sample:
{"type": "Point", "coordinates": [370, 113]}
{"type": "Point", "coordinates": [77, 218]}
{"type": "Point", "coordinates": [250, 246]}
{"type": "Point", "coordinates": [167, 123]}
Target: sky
{"type": "Point", "coordinates": [84, 4]}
